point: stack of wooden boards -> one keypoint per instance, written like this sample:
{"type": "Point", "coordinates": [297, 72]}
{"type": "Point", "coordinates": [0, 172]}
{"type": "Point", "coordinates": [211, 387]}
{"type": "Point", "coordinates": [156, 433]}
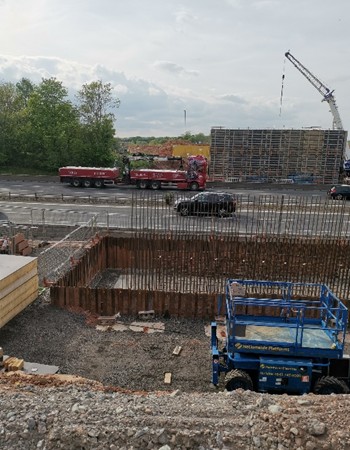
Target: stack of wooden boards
{"type": "Point", "coordinates": [12, 364]}
{"type": "Point", "coordinates": [19, 285]}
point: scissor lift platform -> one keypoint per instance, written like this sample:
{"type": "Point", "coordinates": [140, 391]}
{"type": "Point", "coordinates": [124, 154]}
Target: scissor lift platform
{"type": "Point", "coordinates": [284, 318]}
{"type": "Point", "coordinates": [282, 337]}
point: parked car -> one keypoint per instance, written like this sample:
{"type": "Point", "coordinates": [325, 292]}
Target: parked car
{"type": "Point", "coordinates": [207, 203]}
{"type": "Point", "coordinates": [339, 191]}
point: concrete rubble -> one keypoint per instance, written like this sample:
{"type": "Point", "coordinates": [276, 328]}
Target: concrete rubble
{"type": "Point", "coordinates": [81, 414]}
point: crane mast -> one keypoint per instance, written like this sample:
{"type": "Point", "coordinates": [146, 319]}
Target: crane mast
{"type": "Point", "coordinates": [326, 93]}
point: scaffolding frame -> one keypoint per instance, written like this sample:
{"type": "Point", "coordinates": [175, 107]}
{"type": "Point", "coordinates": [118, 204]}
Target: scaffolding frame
{"type": "Point", "coordinates": [277, 156]}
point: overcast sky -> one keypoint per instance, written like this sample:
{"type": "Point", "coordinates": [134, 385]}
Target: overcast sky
{"type": "Point", "coordinates": [221, 61]}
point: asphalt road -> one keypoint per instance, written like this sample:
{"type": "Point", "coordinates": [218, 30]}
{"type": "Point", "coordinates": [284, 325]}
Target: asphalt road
{"type": "Point", "coordinates": [51, 186]}
{"type": "Point", "coordinates": [43, 200]}
{"type": "Point", "coordinates": [112, 208]}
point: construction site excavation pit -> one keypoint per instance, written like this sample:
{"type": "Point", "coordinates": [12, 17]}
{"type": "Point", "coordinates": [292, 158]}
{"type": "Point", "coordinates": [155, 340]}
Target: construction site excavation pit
{"type": "Point", "coordinates": [178, 281]}
{"type": "Point", "coordinates": [131, 358]}
{"type": "Point", "coordinates": [154, 342]}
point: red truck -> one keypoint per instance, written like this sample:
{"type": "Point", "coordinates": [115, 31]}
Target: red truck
{"type": "Point", "coordinates": [194, 177]}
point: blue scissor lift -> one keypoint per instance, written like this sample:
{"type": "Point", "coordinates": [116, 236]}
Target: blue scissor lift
{"type": "Point", "coordinates": [282, 337]}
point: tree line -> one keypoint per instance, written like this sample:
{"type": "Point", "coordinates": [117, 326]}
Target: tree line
{"type": "Point", "coordinates": [41, 128]}
{"type": "Point", "coordinates": [187, 137]}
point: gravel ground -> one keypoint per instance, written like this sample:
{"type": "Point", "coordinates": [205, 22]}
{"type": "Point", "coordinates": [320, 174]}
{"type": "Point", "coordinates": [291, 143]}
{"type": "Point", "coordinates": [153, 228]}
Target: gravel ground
{"type": "Point", "coordinates": [123, 403]}
{"type": "Point", "coordinates": [134, 360]}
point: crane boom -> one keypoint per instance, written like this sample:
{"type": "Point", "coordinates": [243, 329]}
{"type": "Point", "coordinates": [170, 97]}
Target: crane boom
{"type": "Point", "coordinates": [326, 93]}
{"type": "Point", "coordinates": [328, 97]}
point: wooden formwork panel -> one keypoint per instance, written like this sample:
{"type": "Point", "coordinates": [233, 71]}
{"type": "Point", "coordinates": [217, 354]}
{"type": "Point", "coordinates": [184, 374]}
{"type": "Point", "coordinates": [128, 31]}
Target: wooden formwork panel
{"type": "Point", "coordinates": [152, 265]}
{"type": "Point", "coordinates": [18, 282]}
{"type": "Point", "coordinates": [92, 300]}
{"type": "Point", "coordinates": [15, 302]}
{"type": "Point", "coordinates": [13, 267]}
{"type": "Point", "coordinates": [128, 302]}
{"type": "Point", "coordinates": [19, 285]}
{"type": "Point", "coordinates": [9, 301]}
{"type": "Point", "coordinates": [109, 303]}
{"type": "Point", "coordinates": [137, 302]}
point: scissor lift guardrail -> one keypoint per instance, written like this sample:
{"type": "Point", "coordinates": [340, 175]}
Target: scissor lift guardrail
{"type": "Point", "coordinates": [284, 318]}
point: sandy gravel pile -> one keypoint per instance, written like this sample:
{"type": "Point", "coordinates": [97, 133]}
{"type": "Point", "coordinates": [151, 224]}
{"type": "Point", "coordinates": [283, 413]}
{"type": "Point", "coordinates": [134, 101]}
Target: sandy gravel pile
{"type": "Point", "coordinates": [56, 414]}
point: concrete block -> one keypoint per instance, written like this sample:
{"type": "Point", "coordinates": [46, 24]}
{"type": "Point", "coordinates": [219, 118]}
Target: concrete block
{"type": "Point", "coordinates": [167, 378]}
{"type": "Point", "coordinates": [145, 315]}
{"type": "Point", "coordinates": [106, 320]}
{"type": "Point", "coordinates": [177, 350]}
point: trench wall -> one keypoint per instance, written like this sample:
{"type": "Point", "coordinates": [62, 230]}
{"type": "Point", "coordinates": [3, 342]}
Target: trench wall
{"type": "Point", "coordinates": [185, 276]}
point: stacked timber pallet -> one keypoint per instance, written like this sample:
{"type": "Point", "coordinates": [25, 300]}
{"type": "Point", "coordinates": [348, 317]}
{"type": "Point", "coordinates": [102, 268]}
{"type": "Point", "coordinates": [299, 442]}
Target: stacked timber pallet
{"type": "Point", "coordinates": [296, 156]}
{"type": "Point", "coordinates": [12, 364]}
{"type": "Point", "coordinates": [18, 285]}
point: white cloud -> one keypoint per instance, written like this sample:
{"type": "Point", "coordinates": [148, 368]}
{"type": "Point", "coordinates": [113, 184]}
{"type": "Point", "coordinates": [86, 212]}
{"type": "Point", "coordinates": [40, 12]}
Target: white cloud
{"type": "Point", "coordinates": [173, 68]}
{"type": "Point", "coordinates": [221, 61]}
{"type": "Point", "coordinates": [154, 91]}
{"type": "Point", "coordinates": [233, 98]}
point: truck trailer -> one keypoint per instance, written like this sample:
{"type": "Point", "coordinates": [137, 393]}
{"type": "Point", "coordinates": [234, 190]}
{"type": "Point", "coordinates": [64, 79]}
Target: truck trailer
{"type": "Point", "coordinates": [281, 337]}
{"type": "Point", "coordinates": [89, 176]}
{"type": "Point", "coordinates": [193, 178]}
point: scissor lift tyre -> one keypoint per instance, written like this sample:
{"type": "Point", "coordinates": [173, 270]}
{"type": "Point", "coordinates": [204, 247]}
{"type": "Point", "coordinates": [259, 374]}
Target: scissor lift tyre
{"type": "Point", "coordinates": [238, 379]}
{"type": "Point", "coordinates": [330, 385]}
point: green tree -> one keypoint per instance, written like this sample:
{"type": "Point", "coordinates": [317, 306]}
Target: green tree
{"type": "Point", "coordinates": [24, 88]}
{"type": "Point", "coordinates": [10, 113]}
{"type": "Point", "coordinates": [96, 102]}
{"type": "Point", "coordinates": [199, 138]}
{"type": "Point", "coordinates": [54, 126]}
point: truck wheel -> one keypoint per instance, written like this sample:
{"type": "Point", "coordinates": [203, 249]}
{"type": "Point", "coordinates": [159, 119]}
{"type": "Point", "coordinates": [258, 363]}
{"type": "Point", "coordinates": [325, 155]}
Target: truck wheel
{"type": "Point", "coordinates": [194, 186]}
{"type": "Point", "coordinates": [155, 185]}
{"type": "Point", "coordinates": [330, 385]}
{"type": "Point", "coordinates": [87, 183]}
{"type": "Point", "coordinates": [142, 184]}
{"type": "Point", "coordinates": [76, 182]}
{"type": "Point", "coordinates": [98, 184]}
{"type": "Point", "coordinates": [238, 379]}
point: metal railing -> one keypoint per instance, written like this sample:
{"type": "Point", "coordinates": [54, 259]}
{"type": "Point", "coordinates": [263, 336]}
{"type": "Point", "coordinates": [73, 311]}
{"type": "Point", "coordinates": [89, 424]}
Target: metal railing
{"type": "Point", "coordinates": [56, 260]}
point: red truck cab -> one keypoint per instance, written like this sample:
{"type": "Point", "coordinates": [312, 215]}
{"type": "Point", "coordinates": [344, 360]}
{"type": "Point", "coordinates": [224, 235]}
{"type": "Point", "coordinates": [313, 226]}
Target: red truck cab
{"type": "Point", "coordinates": [194, 178]}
